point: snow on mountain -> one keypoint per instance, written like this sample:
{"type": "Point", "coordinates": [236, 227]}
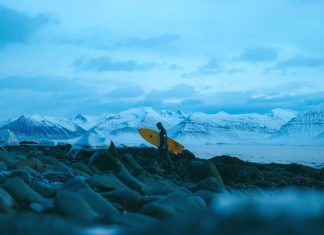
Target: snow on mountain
{"type": "Point", "coordinates": [303, 128]}
{"type": "Point", "coordinates": [185, 127]}
{"type": "Point", "coordinates": [7, 138]}
{"type": "Point", "coordinates": [36, 127]}
{"type": "Point", "coordinates": [227, 128]}
{"type": "Point", "coordinates": [174, 117]}
{"type": "Point", "coordinates": [85, 121]}
{"type": "Point", "coordinates": [122, 128]}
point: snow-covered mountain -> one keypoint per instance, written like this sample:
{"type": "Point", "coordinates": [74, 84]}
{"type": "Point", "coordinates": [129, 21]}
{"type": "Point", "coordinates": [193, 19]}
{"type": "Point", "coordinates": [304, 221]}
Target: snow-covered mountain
{"type": "Point", "coordinates": [185, 127]}
{"type": "Point", "coordinates": [122, 127]}
{"type": "Point", "coordinates": [85, 121]}
{"type": "Point", "coordinates": [36, 127]}
{"type": "Point", "coordinates": [7, 138]}
{"type": "Point", "coordinates": [303, 128]}
{"type": "Point", "coordinates": [227, 128]}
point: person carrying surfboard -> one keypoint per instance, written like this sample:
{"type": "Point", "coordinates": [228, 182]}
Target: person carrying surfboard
{"type": "Point", "coordinates": [163, 147]}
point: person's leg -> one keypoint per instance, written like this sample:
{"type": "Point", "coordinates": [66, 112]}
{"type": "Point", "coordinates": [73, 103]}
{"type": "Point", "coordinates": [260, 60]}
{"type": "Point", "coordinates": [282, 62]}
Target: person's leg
{"type": "Point", "coordinates": [168, 159]}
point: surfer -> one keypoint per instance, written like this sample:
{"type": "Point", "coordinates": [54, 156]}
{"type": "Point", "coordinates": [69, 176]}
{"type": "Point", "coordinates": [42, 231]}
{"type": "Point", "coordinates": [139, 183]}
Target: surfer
{"type": "Point", "coordinates": [163, 147]}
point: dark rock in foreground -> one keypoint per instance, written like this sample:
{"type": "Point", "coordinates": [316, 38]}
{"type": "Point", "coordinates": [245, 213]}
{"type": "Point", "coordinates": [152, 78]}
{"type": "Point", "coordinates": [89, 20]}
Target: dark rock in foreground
{"type": "Point", "coordinates": [126, 187]}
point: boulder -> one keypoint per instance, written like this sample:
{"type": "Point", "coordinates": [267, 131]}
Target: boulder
{"type": "Point", "coordinates": [107, 182]}
{"type": "Point", "coordinates": [8, 160]}
{"type": "Point", "coordinates": [74, 207]}
{"type": "Point", "coordinates": [173, 204]}
{"type": "Point", "coordinates": [104, 161]}
{"type": "Point", "coordinates": [130, 200]}
{"type": "Point", "coordinates": [82, 167]}
{"type": "Point", "coordinates": [210, 184]}
{"type": "Point", "coordinates": [199, 170]}
{"type": "Point", "coordinates": [23, 193]}
{"type": "Point", "coordinates": [99, 204]}
{"type": "Point", "coordinates": [6, 201]}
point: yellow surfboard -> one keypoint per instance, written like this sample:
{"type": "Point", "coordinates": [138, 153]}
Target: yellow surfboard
{"type": "Point", "coordinates": [154, 138]}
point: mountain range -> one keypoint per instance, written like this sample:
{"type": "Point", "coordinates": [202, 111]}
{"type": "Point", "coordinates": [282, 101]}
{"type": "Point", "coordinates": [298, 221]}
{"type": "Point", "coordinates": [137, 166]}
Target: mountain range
{"type": "Point", "coordinates": [280, 126]}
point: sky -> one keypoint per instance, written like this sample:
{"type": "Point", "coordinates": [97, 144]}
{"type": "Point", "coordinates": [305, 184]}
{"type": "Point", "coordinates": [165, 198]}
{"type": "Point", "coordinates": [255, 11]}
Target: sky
{"type": "Point", "coordinates": [102, 56]}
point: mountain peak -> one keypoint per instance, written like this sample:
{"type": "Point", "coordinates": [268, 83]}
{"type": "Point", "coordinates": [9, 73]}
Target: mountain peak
{"type": "Point", "coordinates": [81, 118]}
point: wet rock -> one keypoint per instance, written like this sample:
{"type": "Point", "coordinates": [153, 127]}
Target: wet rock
{"type": "Point", "coordinates": [36, 224]}
{"type": "Point", "coordinates": [131, 181]}
{"type": "Point", "coordinates": [23, 193]}
{"type": "Point", "coordinates": [104, 161]}
{"type": "Point", "coordinates": [3, 166]}
{"type": "Point", "coordinates": [82, 167]}
{"type": "Point", "coordinates": [36, 207]}
{"type": "Point", "coordinates": [25, 162]}
{"type": "Point", "coordinates": [74, 207]}
{"type": "Point", "coordinates": [38, 165]}
{"type": "Point", "coordinates": [9, 161]}
{"type": "Point", "coordinates": [6, 201]}
{"type": "Point", "coordinates": [199, 170]}
{"type": "Point", "coordinates": [210, 184]}
{"type": "Point", "coordinates": [28, 170]}
{"type": "Point", "coordinates": [45, 189]}
{"type": "Point", "coordinates": [208, 196]}
{"type": "Point", "coordinates": [173, 204]}
{"type": "Point", "coordinates": [95, 200]}
{"type": "Point", "coordinates": [25, 176]}
{"type": "Point", "coordinates": [55, 177]}
{"type": "Point", "coordinates": [131, 164]}
{"type": "Point", "coordinates": [107, 182]}
{"type": "Point", "coordinates": [113, 150]}
{"type": "Point", "coordinates": [130, 200]}
{"type": "Point", "coordinates": [132, 220]}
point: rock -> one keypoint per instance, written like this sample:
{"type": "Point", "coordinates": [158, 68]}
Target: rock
{"type": "Point", "coordinates": [129, 199]}
{"type": "Point", "coordinates": [38, 165]}
{"type": "Point", "coordinates": [210, 184]}
{"type": "Point", "coordinates": [3, 166]}
{"type": "Point", "coordinates": [107, 182]}
{"type": "Point", "coordinates": [21, 174]}
{"type": "Point", "coordinates": [55, 177]}
{"type": "Point", "coordinates": [44, 189]}
{"type": "Point", "coordinates": [199, 170]}
{"type": "Point", "coordinates": [25, 162]}
{"type": "Point", "coordinates": [23, 193]}
{"type": "Point", "coordinates": [113, 150]}
{"type": "Point", "coordinates": [9, 161]}
{"type": "Point", "coordinates": [95, 200]}
{"type": "Point", "coordinates": [104, 161]}
{"type": "Point", "coordinates": [74, 207]}
{"type": "Point", "coordinates": [174, 204]}
{"type": "Point", "coordinates": [131, 181]}
{"type": "Point", "coordinates": [131, 164]}
{"type": "Point", "coordinates": [208, 196]}
{"type": "Point", "coordinates": [36, 207]}
{"type": "Point", "coordinates": [132, 220]}
{"type": "Point", "coordinates": [6, 201]}
{"type": "Point", "coordinates": [37, 224]}
{"type": "Point", "coordinates": [82, 167]}
{"type": "Point", "coordinates": [29, 170]}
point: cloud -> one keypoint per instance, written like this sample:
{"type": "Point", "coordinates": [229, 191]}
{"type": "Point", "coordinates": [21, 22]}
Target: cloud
{"type": "Point", "coordinates": [158, 42]}
{"type": "Point", "coordinates": [126, 92]}
{"type": "Point", "coordinates": [41, 84]}
{"type": "Point", "coordinates": [299, 62]}
{"type": "Point", "coordinates": [214, 66]}
{"type": "Point", "coordinates": [106, 64]}
{"type": "Point", "coordinates": [255, 55]}
{"type": "Point", "coordinates": [18, 27]}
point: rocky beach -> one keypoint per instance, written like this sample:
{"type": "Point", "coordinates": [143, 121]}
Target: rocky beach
{"type": "Point", "coordinates": [53, 190]}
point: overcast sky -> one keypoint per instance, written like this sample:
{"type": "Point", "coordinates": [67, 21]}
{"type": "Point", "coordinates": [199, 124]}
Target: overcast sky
{"type": "Point", "coordinates": [101, 56]}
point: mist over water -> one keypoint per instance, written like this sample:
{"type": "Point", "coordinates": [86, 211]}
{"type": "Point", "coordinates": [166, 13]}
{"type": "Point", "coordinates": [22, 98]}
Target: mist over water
{"type": "Point", "coordinates": [307, 155]}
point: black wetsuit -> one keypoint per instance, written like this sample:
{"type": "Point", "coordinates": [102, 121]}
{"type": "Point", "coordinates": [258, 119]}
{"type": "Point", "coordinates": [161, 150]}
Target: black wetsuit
{"type": "Point", "coordinates": [163, 147]}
